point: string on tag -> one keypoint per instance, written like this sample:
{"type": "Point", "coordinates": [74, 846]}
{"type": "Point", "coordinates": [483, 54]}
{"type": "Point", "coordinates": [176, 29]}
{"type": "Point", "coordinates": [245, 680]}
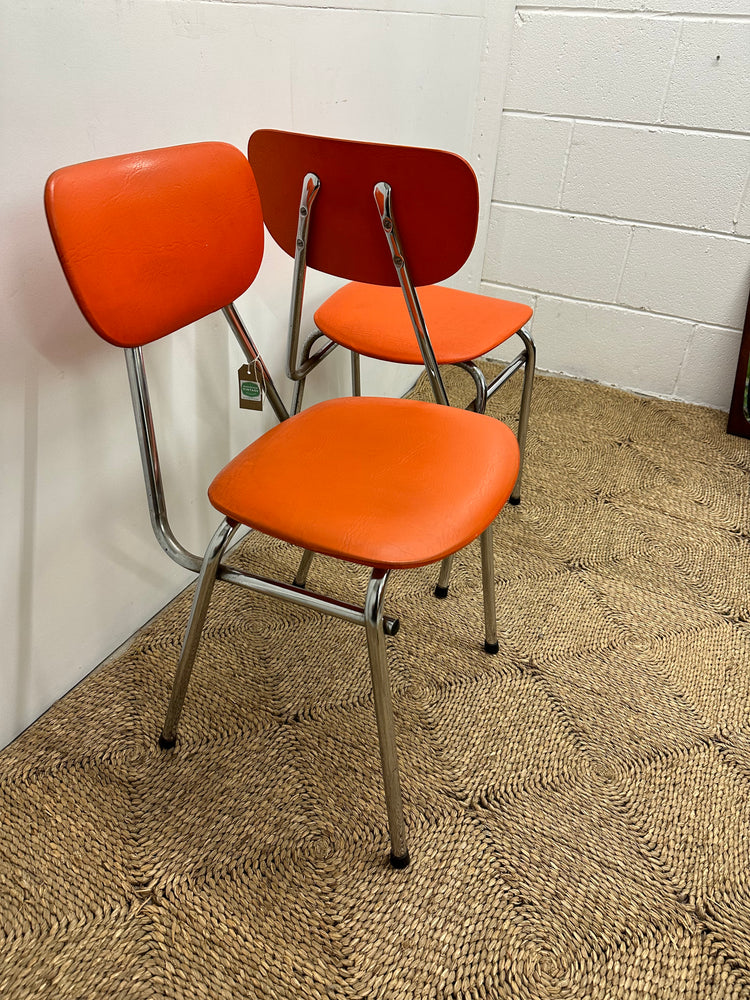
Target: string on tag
{"type": "Point", "coordinates": [250, 378]}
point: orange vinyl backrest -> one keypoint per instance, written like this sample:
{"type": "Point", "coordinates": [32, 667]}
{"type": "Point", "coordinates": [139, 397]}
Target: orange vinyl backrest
{"type": "Point", "coordinates": [152, 241]}
{"type": "Point", "coordinates": [434, 195]}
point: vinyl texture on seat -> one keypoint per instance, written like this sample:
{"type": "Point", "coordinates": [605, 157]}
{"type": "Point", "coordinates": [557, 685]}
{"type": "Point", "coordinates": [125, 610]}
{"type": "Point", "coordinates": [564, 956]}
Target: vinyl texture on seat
{"type": "Point", "coordinates": [388, 483]}
{"type": "Point", "coordinates": [372, 320]}
{"type": "Point", "coordinates": [144, 258]}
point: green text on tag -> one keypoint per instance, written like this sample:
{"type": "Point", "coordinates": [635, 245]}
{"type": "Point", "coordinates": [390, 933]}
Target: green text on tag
{"type": "Point", "coordinates": [250, 382]}
{"type": "Point", "coordinates": [250, 390]}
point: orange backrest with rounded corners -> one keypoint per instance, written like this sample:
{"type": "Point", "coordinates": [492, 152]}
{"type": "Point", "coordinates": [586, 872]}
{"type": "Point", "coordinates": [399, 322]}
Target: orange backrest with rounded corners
{"type": "Point", "coordinates": [435, 203]}
{"type": "Point", "coordinates": [152, 241]}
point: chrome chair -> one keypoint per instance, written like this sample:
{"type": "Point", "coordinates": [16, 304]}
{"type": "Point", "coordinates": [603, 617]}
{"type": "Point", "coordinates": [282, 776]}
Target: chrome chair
{"type": "Point", "coordinates": [153, 241]}
{"type": "Point", "coordinates": [391, 313]}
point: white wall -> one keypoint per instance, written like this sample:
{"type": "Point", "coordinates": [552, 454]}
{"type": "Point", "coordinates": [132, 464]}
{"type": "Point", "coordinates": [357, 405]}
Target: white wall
{"type": "Point", "coordinates": [88, 78]}
{"type": "Point", "coordinates": [621, 205]}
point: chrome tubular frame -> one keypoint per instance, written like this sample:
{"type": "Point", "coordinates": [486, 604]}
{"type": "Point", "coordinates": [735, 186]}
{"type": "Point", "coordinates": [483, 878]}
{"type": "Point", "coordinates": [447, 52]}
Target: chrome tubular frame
{"type": "Point", "coordinates": [144, 423]}
{"type": "Point", "coordinates": [526, 360]}
{"type": "Point", "coordinates": [382, 194]}
{"type": "Point", "coordinates": [201, 598]}
{"type": "Point", "coordinates": [300, 577]}
{"type": "Point", "coordinates": [307, 364]}
{"type": "Point", "coordinates": [177, 552]}
{"type": "Point", "coordinates": [510, 369]}
{"type": "Point", "coordinates": [356, 374]}
{"type": "Point", "coordinates": [212, 570]}
{"type": "Point", "coordinates": [381, 690]}
{"type": "Point", "coordinates": [488, 591]}
{"type": "Point", "coordinates": [210, 567]}
{"type": "Point", "coordinates": [296, 370]}
{"type": "Point", "coordinates": [310, 188]}
{"type": "Point", "coordinates": [523, 416]}
{"type": "Point", "coordinates": [479, 403]}
{"type": "Point", "coordinates": [252, 354]}
{"type": "Point", "coordinates": [304, 598]}
{"type": "Point", "coordinates": [444, 579]}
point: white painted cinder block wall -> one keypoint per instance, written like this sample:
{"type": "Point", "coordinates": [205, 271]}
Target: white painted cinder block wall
{"type": "Point", "coordinates": [621, 205]}
{"type": "Point", "coordinates": [79, 568]}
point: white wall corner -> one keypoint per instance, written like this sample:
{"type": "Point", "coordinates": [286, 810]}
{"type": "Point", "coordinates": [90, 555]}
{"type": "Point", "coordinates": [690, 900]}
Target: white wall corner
{"type": "Point", "coordinates": [493, 73]}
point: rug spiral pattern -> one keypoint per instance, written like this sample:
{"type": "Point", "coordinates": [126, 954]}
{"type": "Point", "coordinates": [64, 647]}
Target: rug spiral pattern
{"type": "Point", "coordinates": [578, 807]}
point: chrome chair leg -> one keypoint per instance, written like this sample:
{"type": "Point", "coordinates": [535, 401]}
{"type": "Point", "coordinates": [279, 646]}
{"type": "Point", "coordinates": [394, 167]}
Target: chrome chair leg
{"type": "Point", "coordinates": [203, 590]}
{"type": "Point", "coordinates": [523, 416]}
{"type": "Point", "coordinates": [299, 391]}
{"type": "Point", "coordinates": [441, 588]}
{"type": "Point", "coordinates": [356, 375]}
{"type": "Point", "coordinates": [488, 591]}
{"type": "Point", "coordinates": [381, 690]}
{"type": "Point", "coordinates": [300, 577]}
{"type": "Point", "coordinates": [479, 403]}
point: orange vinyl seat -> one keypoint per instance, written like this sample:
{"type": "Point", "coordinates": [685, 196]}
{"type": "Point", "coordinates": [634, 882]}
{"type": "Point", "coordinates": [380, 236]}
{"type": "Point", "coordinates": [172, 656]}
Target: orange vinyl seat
{"type": "Point", "coordinates": [153, 241]}
{"type": "Point", "coordinates": [372, 320]}
{"type": "Point", "coordinates": [384, 511]}
{"type": "Point", "coordinates": [318, 204]}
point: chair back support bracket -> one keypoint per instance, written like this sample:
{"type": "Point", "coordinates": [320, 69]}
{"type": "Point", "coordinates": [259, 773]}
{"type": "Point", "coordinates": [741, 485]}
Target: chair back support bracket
{"type": "Point", "coordinates": [144, 423]}
{"type": "Point", "coordinates": [298, 368]}
{"type": "Point", "coordinates": [479, 403]}
{"type": "Point", "coordinates": [306, 365]}
{"type": "Point", "coordinates": [382, 194]}
{"type": "Point", "coordinates": [310, 188]}
{"type": "Point", "coordinates": [253, 356]}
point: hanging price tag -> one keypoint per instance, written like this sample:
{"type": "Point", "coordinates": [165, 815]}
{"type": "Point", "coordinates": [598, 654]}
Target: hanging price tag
{"type": "Point", "coordinates": [251, 387]}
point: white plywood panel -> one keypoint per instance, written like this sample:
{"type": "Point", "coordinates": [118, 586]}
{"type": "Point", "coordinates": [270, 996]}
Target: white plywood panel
{"type": "Point", "coordinates": [349, 68]}
{"type": "Point", "coordinates": [17, 510]}
{"type": "Point", "coordinates": [84, 79]}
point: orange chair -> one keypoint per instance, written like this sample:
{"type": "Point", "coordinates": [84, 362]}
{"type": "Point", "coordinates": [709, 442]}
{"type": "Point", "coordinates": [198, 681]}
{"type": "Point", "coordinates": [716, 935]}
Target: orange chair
{"type": "Point", "coordinates": [435, 198]}
{"type": "Point", "coordinates": [153, 241]}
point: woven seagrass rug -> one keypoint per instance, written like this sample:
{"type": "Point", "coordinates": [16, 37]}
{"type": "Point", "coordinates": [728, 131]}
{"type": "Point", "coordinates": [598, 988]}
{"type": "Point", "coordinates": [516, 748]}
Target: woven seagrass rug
{"type": "Point", "coordinates": [578, 807]}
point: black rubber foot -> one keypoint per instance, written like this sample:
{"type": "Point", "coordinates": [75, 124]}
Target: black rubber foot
{"type": "Point", "coordinates": [441, 592]}
{"type": "Point", "coordinates": [401, 862]}
{"type": "Point", "coordinates": [514, 502]}
{"type": "Point", "coordinates": [166, 744]}
{"type": "Point", "coordinates": [491, 648]}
